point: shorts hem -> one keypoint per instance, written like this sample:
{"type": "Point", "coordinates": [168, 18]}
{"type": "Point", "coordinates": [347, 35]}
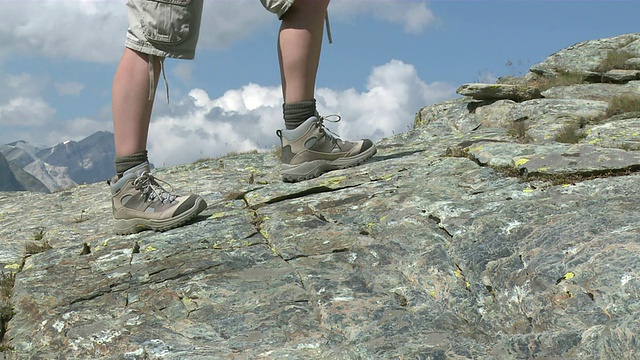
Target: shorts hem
{"type": "Point", "coordinates": [284, 9]}
{"type": "Point", "coordinates": [148, 48]}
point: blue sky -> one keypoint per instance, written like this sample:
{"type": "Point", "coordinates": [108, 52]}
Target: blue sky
{"type": "Point", "coordinates": [388, 59]}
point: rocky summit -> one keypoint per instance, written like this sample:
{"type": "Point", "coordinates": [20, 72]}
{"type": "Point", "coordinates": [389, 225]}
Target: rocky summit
{"type": "Point", "coordinates": [505, 225]}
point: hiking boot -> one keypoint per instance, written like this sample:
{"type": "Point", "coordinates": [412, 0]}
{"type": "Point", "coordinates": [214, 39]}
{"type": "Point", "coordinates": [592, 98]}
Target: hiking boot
{"type": "Point", "coordinates": [141, 203]}
{"type": "Point", "coordinates": [311, 150]}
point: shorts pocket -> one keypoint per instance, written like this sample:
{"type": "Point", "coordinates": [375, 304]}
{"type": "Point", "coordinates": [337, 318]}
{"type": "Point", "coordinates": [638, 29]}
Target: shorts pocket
{"type": "Point", "coordinates": [166, 22]}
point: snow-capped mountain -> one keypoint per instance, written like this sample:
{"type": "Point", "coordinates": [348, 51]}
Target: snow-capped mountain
{"type": "Point", "coordinates": [65, 164]}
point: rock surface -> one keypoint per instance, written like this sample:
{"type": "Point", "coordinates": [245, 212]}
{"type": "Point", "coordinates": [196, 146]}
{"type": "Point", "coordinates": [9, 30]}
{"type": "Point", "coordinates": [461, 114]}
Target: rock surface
{"type": "Point", "coordinates": [475, 235]}
{"type": "Point", "coordinates": [499, 92]}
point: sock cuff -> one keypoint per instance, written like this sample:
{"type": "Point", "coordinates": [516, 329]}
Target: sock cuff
{"type": "Point", "coordinates": [126, 162]}
{"type": "Point", "coordinates": [296, 113]}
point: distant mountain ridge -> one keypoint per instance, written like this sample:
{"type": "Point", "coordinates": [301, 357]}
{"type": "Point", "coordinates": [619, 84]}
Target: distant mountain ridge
{"type": "Point", "coordinates": [47, 169]}
{"type": "Point", "coordinates": [8, 181]}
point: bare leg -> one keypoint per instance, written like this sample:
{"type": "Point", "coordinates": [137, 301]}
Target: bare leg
{"type": "Point", "coordinates": [131, 105]}
{"type": "Point", "coordinates": [299, 46]}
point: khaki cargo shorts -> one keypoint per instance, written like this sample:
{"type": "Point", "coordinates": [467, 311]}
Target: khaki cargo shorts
{"type": "Point", "coordinates": [164, 28]}
{"type": "Point", "coordinates": [278, 7]}
{"type": "Point", "coordinates": [170, 28]}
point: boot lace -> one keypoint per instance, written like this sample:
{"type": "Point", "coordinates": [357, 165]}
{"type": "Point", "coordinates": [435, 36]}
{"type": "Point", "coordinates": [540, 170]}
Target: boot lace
{"type": "Point", "coordinates": [333, 137]}
{"type": "Point", "coordinates": [152, 190]}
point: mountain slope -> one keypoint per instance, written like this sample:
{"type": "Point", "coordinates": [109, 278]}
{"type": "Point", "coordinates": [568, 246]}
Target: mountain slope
{"type": "Point", "coordinates": [88, 161]}
{"type": "Point", "coordinates": [8, 181]}
{"type": "Point", "coordinates": [45, 169]}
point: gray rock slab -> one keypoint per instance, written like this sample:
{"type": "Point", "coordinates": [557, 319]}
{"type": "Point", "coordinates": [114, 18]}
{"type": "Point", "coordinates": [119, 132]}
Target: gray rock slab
{"type": "Point", "coordinates": [585, 56]}
{"type": "Point", "coordinates": [545, 118]}
{"type": "Point", "coordinates": [633, 63]}
{"type": "Point", "coordinates": [604, 92]}
{"type": "Point", "coordinates": [449, 116]}
{"type": "Point", "coordinates": [623, 134]}
{"type": "Point", "coordinates": [509, 155]}
{"type": "Point", "coordinates": [620, 76]}
{"type": "Point", "coordinates": [580, 159]}
{"type": "Point", "coordinates": [498, 92]}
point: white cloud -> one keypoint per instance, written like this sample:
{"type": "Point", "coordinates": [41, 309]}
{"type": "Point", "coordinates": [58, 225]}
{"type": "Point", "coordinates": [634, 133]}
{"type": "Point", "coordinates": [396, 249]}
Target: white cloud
{"type": "Point", "coordinates": [413, 16]}
{"type": "Point", "coordinates": [22, 106]}
{"type": "Point", "coordinates": [95, 30]}
{"type": "Point", "coordinates": [394, 94]}
{"type": "Point", "coordinates": [25, 111]}
{"type": "Point", "coordinates": [247, 118]}
{"type": "Point", "coordinates": [26, 114]}
{"type": "Point", "coordinates": [70, 88]}
{"type": "Point", "coordinates": [74, 129]}
{"type": "Point", "coordinates": [80, 30]}
{"type": "Point", "coordinates": [21, 85]}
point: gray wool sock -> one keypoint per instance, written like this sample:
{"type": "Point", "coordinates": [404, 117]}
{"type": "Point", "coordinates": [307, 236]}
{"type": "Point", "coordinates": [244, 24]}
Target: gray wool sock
{"type": "Point", "coordinates": [297, 113]}
{"type": "Point", "coordinates": [124, 163]}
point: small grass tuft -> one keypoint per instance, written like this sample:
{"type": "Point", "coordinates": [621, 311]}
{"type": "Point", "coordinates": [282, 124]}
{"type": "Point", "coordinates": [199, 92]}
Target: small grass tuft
{"type": "Point", "coordinates": [570, 134]}
{"type": "Point", "coordinates": [39, 235]}
{"type": "Point", "coordinates": [563, 78]}
{"type": "Point", "coordinates": [622, 104]}
{"type": "Point", "coordinates": [277, 151]}
{"type": "Point", "coordinates": [518, 130]}
{"type": "Point", "coordinates": [33, 247]}
{"type": "Point", "coordinates": [7, 281]}
{"type": "Point", "coordinates": [38, 243]}
{"type": "Point", "coordinates": [234, 195]}
{"type": "Point", "coordinates": [81, 218]}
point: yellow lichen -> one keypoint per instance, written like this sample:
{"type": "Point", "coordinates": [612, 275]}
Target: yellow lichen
{"type": "Point", "coordinates": [521, 162]}
{"type": "Point", "coordinates": [333, 181]}
{"type": "Point", "coordinates": [12, 266]}
{"type": "Point", "coordinates": [217, 215]}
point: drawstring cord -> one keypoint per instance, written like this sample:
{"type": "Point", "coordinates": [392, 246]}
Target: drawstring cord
{"type": "Point", "coordinates": [152, 77]}
{"type": "Point", "coordinates": [326, 21]}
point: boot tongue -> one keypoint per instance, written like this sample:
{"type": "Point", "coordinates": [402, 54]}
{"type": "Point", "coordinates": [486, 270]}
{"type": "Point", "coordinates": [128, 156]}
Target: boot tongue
{"type": "Point", "coordinates": [139, 169]}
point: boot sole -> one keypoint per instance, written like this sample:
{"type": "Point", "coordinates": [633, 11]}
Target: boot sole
{"type": "Point", "coordinates": [136, 225]}
{"type": "Point", "coordinates": [312, 169]}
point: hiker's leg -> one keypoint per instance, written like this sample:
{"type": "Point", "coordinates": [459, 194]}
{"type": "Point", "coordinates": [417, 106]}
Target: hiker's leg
{"type": "Point", "coordinates": [299, 46]}
{"type": "Point", "coordinates": [131, 103]}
